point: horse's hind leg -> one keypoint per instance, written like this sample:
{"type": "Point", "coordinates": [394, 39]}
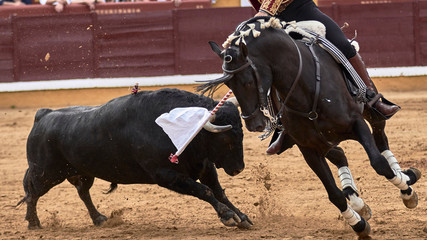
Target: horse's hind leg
{"type": "Point", "coordinates": [337, 157]}
{"type": "Point", "coordinates": [83, 184]}
{"type": "Point", "coordinates": [318, 164]}
{"type": "Point", "coordinates": [385, 163]}
{"type": "Point", "coordinates": [379, 134]}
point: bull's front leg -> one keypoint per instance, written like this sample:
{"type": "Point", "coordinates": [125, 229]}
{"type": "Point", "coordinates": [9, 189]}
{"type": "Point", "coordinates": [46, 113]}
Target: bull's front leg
{"type": "Point", "coordinates": [210, 179]}
{"type": "Point", "coordinates": [180, 183]}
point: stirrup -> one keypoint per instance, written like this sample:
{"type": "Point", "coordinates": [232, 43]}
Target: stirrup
{"type": "Point", "coordinates": [377, 116]}
{"type": "Point", "coordinates": [374, 100]}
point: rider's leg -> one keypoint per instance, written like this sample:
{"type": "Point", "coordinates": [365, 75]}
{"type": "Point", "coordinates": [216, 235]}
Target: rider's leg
{"type": "Point", "coordinates": [359, 66]}
{"type": "Point", "coordinates": [307, 10]}
{"type": "Point", "coordinates": [275, 146]}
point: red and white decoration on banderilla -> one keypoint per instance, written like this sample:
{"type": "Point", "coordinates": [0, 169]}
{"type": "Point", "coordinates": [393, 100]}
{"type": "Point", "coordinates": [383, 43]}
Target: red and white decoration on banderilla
{"type": "Point", "coordinates": [183, 124]}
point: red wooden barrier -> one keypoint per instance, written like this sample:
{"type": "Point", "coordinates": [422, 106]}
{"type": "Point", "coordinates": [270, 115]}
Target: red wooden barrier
{"type": "Point", "coordinates": [145, 39]}
{"type": "Point", "coordinates": [6, 51]}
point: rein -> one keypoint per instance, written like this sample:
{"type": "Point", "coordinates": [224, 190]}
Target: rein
{"type": "Point", "coordinates": [294, 84]}
{"type": "Point", "coordinates": [312, 115]}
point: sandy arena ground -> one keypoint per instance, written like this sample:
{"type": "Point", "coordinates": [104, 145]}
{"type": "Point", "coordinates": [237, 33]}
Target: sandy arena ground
{"type": "Point", "coordinates": [280, 194]}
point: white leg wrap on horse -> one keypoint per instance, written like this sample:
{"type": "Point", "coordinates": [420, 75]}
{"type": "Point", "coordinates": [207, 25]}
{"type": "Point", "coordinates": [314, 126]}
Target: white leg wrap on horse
{"type": "Point", "coordinates": [400, 180]}
{"type": "Point", "coordinates": [392, 161]}
{"type": "Point", "coordinates": [351, 216]}
{"type": "Point", "coordinates": [406, 196]}
{"type": "Point", "coordinates": [346, 178]}
{"type": "Point", "coordinates": [356, 202]}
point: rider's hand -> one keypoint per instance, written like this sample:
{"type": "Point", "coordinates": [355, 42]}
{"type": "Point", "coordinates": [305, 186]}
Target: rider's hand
{"type": "Point", "coordinates": [261, 13]}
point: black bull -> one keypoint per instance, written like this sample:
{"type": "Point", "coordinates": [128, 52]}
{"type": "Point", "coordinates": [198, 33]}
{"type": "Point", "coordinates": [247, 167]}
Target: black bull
{"type": "Point", "coordinates": [121, 143]}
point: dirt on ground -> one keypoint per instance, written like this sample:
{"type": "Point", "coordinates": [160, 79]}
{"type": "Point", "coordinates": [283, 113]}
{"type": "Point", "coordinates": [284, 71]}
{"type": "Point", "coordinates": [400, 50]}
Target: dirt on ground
{"type": "Point", "coordinates": [280, 193]}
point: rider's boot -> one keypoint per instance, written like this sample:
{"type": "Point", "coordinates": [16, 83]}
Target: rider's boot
{"type": "Point", "coordinates": [275, 147]}
{"type": "Point", "coordinates": [371, 91]}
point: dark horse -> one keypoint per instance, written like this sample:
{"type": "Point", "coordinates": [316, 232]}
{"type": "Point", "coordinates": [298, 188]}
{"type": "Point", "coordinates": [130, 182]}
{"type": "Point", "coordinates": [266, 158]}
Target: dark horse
{"type": "Point", "coordinates": [318, 111]}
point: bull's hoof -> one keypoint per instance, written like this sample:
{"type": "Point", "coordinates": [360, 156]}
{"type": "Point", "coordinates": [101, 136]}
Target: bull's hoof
{"type": "Point", "coordinates": [231, 221]}
{"type": "Point", "coordinates": [362, 229]}
{"type": "Point", "coordinates": [365, 212]}
{"type": "Point", "coordinates": [99, 220]}
{"type": "Point", "coordinates": [34, 226]}
{"type": "Point", "coordinates": [245, 224]}
{"type": "Point", "coordinates": [410, 201]}
{"type": "Point", "coordinates": [34, 223]}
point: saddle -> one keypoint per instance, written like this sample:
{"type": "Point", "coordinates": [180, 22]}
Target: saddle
{"type": "Point", "coordinates": [314, 31]}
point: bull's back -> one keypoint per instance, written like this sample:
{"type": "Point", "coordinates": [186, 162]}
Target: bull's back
{"type": "Point", "coordinates": [113, 141]}
{"type": "Point", "coordinates": [48, 128]}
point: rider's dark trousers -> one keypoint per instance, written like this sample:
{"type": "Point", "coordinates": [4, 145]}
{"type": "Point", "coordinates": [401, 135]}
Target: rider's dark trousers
{"type": "Point", "coordinates": [300, 10]}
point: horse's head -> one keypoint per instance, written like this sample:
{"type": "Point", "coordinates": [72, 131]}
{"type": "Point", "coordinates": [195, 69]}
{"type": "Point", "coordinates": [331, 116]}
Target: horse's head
{"type": "Point", "coordinates": [247, 74]}
{"type": "Point", "coordinates": [241, 76]}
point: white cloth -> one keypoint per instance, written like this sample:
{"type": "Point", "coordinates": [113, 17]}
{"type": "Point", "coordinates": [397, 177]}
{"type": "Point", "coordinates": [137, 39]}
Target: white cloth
{"type": "Point", "coordinates": [183, 124]}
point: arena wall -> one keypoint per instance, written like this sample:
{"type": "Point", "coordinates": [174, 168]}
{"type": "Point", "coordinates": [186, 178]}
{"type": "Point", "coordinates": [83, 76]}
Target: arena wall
{"type": "Point", "coordinates": [160, 39]}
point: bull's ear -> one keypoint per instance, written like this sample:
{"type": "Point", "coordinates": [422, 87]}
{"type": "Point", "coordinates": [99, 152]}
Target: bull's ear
{"type": "Point", "coordinates": [216, 48]}
{"type": "Point", "coordinates": [243, 49]}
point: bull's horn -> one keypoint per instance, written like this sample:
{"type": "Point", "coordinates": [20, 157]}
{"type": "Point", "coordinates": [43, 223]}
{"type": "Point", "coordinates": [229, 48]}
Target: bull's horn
{"type": "Point", "coordinates": [215, 128]}
{"type": "Point", "coordinates": [234, 101]}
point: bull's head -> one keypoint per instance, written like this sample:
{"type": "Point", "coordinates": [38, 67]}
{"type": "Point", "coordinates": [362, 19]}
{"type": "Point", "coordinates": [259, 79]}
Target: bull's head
{"type": "Point", "coordinates": [225, 148]}
{"type": "Point", "coordinates": [209, 126]}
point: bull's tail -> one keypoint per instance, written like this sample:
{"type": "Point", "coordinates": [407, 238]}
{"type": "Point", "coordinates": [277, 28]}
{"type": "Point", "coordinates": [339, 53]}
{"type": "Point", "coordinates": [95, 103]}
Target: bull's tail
{"type": "Point", "coordinates": [26, 185]}
{"type": "Point", "coordinates": [24, 199]}
{"type": "Point", "coordinates": [113, 187]}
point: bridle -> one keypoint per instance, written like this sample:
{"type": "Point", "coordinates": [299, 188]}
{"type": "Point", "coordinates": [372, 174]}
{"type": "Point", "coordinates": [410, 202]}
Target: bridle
{"type": "Point", "coordinates": [262, 97]}
{"type": "Point", "coordinates": [265, 105]}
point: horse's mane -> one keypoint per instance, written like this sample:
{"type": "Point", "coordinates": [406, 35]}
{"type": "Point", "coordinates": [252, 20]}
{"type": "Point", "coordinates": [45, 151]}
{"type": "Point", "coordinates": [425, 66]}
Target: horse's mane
{"type": "Point", "coordinates": [249, 28]}
{"type": "Point", "coordinates": [211, 86]}
{"type": "Point", "coordinates": [252, 28]}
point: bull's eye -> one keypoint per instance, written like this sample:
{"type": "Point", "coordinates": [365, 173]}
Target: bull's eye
{"type": "Point", "coordinates": [228, 58]}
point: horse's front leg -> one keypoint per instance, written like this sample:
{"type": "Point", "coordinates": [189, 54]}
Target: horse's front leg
{"type": "Point", "coordinates": [385, 163]}
{"type": "Point", "coordinates": [337, 156]}
{"type": "Point", "coordinates": [318, 164]}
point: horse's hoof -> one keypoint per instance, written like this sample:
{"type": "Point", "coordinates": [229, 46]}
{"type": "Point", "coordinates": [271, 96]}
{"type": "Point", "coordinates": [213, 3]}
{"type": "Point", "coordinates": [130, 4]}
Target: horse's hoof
{"type": "Point", "coordinates": [364, 234]}
{"type": "Point", "coordinates": [410, 201]}
{"type": "Point", "coordinates": [244, 225]}
{"type": "Point", "coordinates": [365, 212]}
{"type": "Point", "coordinates": [414, 174]}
